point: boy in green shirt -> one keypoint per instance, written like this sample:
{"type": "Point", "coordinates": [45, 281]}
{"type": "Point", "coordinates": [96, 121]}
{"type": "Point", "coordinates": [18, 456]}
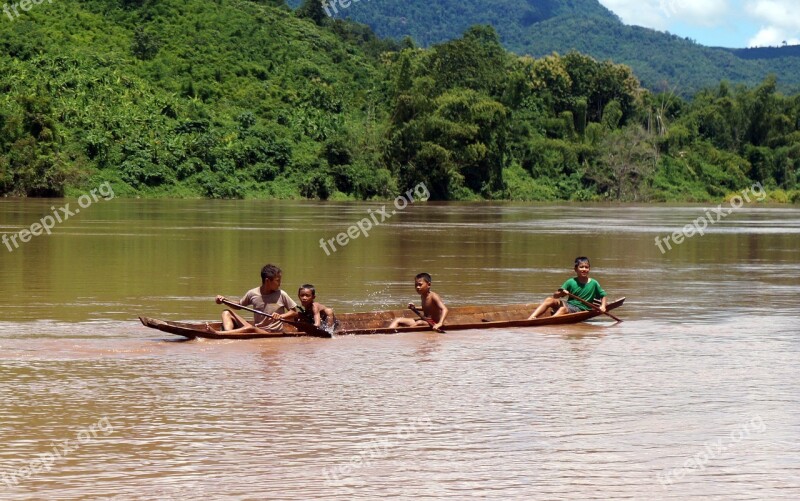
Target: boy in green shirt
{"type": "Point", "coordinates": [581, 285]}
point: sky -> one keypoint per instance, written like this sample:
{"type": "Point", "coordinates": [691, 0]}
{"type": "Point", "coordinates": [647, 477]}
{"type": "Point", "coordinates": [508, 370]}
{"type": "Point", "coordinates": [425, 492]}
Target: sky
{"type": "Point", "coordinates": [716, 23]}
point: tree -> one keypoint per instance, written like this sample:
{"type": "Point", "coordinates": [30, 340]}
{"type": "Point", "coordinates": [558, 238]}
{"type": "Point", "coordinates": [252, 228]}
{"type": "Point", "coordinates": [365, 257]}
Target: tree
{"type": "Point", "coordinates": [627, 163]}
{"type": "Point", "coordinates": [312, 9]}
{"type": "Point", "coordinates": [456, 146]}
{"type": "Point", "coordinates": [551, 81]}
{"type": "Point", "coordinates": [601, 83]}
{"type": "Point", "coordinates": [476, 61]}
{"type": "Point", "coordinates": [612, 114]}
{"type": "Point", "coordinates": [145, 43]}
{"type": "Point", "coordinates": [31, 162]}
{"type": "Point", "coordinates": [761, 110]}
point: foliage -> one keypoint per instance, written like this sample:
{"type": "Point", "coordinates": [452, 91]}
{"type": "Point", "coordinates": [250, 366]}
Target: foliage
{"type": "Point", "coordinates": [312, 9]}
{"type": "Point", "coordinates": [542, 27]}
{"type": "Point", "coordinates": [245, 99]}
{"type": "Point", "coordinates": [627, 162]}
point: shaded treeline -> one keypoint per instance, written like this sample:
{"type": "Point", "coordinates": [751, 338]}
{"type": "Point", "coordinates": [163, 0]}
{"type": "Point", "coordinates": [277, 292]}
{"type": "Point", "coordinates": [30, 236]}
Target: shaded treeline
{"type": "Point", "coordinates": [233, 98]}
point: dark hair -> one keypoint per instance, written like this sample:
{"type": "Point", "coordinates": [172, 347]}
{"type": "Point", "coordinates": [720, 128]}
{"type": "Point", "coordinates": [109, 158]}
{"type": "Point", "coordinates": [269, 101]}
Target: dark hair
{"type": "Point", "coordinates": [309, 287]}
{"type": "Point", "coordinates": [582, 259]}
{"type": "Point", "coordinates": [269, 271]}
{"type": "Point", "coordinates": [423, 276]}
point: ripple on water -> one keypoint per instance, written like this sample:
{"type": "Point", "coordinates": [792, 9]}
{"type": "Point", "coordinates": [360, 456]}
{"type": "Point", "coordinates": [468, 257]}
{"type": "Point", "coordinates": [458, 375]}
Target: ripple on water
{"type": "Point", "coordinates": [693, 395]}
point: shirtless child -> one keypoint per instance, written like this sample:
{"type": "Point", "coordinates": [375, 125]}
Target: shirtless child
{"type": "Point", "coordinates": [313, 312]}
{"type": "Point", "coordinates": [432, 306]}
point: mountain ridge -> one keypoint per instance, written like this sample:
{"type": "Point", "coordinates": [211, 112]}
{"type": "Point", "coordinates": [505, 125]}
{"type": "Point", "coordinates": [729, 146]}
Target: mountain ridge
{"type": "Point", "coordinates": [538, 28]}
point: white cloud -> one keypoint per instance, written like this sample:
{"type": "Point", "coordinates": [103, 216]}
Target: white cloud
{"type": "Point", "coordinates": [697, 12]}
{"type": "Point", "coordinates": [766, 22]}
{"type": "Point", "coordinates": [780, 22]}
{"type": "Point", "coordinates": [780, 13]}
{"type": "Point", "coordinates": [659, 14]}
{"type": "Point", "coordinates": [771, 36]}
{"type": "Point", "coordinates": [639, 12]}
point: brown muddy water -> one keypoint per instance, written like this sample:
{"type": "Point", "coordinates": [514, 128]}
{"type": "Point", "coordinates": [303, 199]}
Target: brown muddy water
{"type": "Point", "coordinates": [695, 394]}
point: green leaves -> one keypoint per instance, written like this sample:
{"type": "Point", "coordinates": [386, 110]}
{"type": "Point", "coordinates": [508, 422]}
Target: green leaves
{"type": "Point", "coordinates": [232, 100]}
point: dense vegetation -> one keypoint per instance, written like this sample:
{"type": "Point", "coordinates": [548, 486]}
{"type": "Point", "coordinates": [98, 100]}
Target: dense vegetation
{"type": "Point", "coordinates": [786, 51]}
{"type": "Point", "coordinates": [236, 98]}
{"type": "Point", "coordinates": [541, 27]}
{"type": "Point", "coordinates": [434, 21]}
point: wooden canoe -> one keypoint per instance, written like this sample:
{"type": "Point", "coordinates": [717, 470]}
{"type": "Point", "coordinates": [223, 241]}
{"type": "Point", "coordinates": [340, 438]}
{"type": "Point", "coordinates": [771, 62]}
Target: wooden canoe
{"type": "Point", "coordinates": [459, 318]}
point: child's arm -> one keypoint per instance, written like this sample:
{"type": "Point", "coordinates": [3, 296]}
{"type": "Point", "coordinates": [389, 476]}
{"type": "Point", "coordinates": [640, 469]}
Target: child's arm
{"type": "Point", "coordinates": [317, 316]}
{"type": "Point", "coordinates": [331, 318]}
{"type": "Point", "coordinates": [600, 293]}
{"type": "Point", "coordinates": [561, 292]}
{"type": "Point", "coordinates": [288, 315]}
{"type": "Point", "coordinates": [442, 308]}
{"type": "Point", "coordinates": [221, 299]}
{"type": "Point", "coordinates": [241, 304]}
{"type": "Point", "coordinates": [288, 305]}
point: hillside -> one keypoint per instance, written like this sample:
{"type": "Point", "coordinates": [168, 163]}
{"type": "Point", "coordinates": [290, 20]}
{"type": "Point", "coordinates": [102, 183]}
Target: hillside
{"type": "Point", "coordinates": [436, 21]}
{"type": "Point", "coordinates": [659, 59]}
{"type": "Point", "coordinates": [541, 27]}
{"type": "Point", "coordinates": [767, 52]}
{"type": "Point", "coordinates": [181, 97]}
{"type": "Point", "coordinates": [248, 99]}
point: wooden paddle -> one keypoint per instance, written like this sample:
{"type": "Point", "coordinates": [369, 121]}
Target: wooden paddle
{"type": "Point", "coordinates": [307, 328]}
{"type": "Point", "coordinates": [423, 317]}
{"type": "Point", "coordinates": [590, 305]}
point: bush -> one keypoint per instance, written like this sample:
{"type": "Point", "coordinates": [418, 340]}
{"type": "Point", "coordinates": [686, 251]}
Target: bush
{"type": "Point", "coordinates": [216, 185]}
{"type": "Point", "coordinates": [521, 186]}
{"type": "Point", "coordinates": [779, 196]}
{"type": "Point", "coordinates": [316, 184]}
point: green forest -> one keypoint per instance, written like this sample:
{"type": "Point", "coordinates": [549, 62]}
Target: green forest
{"type": "Point", "coordinates": [540, 27]}
{"type": "Point", "coordinates": [251, 99]}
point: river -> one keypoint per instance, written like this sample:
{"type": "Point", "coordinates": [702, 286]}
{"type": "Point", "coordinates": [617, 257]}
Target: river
{"type": "Point", "coordinates": [695, 394]}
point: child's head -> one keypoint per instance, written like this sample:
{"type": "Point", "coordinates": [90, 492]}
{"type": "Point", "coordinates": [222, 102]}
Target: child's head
{"type": "Point", "coordinates": [271, 276]}
{"type": "Point", "coordinates": [307, 293]}
{"type": "Point", "coordinates": [581, 259]}
{"type": "Point", "coordinates": [422, 282]}
{"type": "Point", "coordinates": [582, 268]}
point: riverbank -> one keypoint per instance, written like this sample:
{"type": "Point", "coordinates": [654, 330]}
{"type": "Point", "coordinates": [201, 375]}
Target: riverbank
{"type": "Point", "coordinates": [518, 190]}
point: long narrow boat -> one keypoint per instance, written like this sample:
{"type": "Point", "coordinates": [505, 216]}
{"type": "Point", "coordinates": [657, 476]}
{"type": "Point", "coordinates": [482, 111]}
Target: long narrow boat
{"type": "Point", "coordinates": [458, 318]}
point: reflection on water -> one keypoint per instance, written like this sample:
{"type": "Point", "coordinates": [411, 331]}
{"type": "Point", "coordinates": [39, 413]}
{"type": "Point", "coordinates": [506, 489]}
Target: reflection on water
{"type": "Point", "coordinates": [695, 394]}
